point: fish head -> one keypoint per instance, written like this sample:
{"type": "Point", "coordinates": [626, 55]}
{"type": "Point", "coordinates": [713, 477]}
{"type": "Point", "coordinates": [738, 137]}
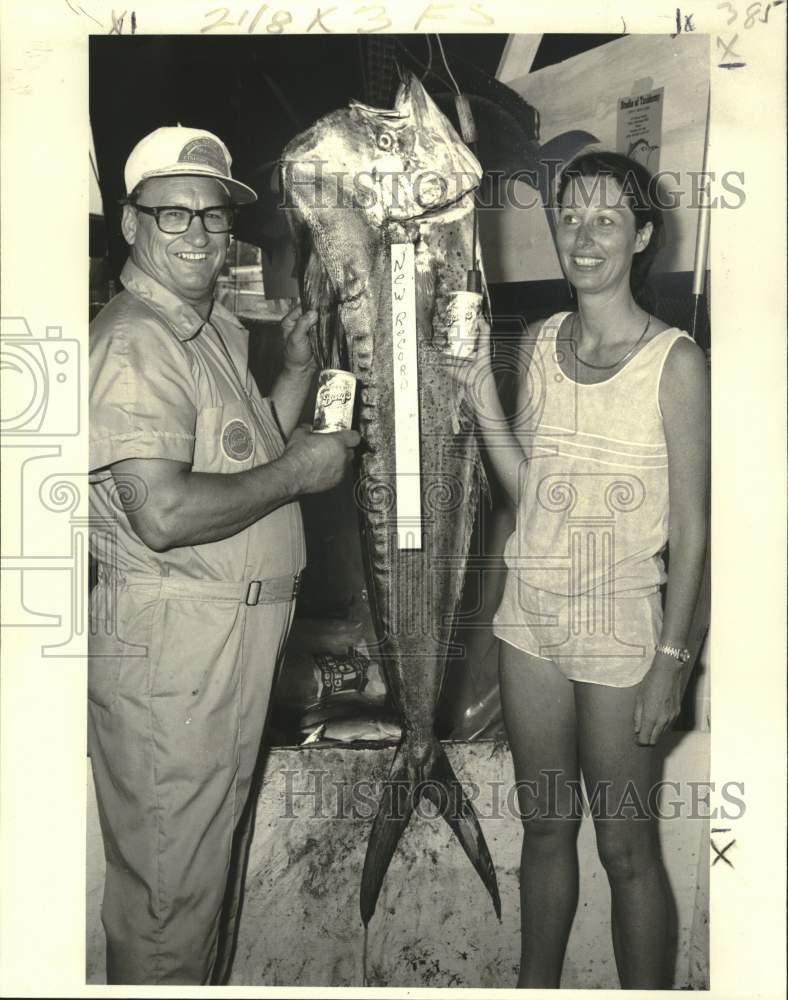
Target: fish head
{"type": "Point", "coordinates": [357, 178]}
{"type": "Point", "coordinates": [418, 164]}
{"type": "Point", "coordinates": [392, 164]}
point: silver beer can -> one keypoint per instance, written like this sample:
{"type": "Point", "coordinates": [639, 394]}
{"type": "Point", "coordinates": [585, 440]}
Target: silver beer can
{"type": "Point", "coordinates": [462, 324]}
{"type": "Point", "coordinates": [336, 393]}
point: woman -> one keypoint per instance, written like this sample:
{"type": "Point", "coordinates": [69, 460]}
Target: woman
{"type": "Point", "coordinates": [607, 460]}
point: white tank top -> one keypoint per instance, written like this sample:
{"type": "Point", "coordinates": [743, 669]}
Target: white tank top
{"type": "Point", "coordinates": [593, 508]}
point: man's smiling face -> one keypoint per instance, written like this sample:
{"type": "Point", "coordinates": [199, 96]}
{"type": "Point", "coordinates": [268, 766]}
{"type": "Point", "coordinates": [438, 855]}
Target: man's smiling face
{"type": "Point", "coordinates": [189, 263]}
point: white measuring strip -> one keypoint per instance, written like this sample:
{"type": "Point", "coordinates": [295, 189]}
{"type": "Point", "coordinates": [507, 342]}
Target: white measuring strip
{"type": "Point", "coordinates": [406, 396]}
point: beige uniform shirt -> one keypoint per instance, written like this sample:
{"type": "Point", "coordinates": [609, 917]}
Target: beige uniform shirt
{"type": "Point", "coordinates": [162, 386]}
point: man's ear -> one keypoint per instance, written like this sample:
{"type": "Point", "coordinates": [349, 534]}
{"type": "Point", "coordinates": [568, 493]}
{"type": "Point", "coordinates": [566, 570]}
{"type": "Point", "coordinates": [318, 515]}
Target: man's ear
{"type": "Point", "coordinates": [128, 224]}
{"type": "Point", "coordinates": [643, 236]}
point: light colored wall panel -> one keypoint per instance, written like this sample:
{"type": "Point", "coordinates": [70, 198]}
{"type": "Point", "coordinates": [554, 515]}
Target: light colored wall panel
{"type": "Point", "coordinates": [582, 93]}
{"type": "Point", "coordinates": [517, 56]}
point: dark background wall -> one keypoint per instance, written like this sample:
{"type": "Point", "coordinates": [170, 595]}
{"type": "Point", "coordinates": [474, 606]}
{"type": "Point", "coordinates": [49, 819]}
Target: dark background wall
{"type": "Point", "coordinates": [258, 93]}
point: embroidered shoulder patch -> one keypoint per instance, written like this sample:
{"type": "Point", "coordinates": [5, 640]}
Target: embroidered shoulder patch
{"type": "Point", "coordinates": [237, 441]}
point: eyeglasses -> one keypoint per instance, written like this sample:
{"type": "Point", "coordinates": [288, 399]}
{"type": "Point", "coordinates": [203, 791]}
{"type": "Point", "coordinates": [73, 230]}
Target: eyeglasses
{"type": "Point", "coordinates": [174, 219]}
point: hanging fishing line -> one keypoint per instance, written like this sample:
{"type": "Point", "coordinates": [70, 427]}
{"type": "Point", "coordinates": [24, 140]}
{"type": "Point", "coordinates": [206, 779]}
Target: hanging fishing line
{"type": "Point", "coordinates": [446, 63]}
{"type": "Point", "coordinates": [429, 57]}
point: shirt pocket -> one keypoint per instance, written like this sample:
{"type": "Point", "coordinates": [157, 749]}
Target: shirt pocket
{"type": "Point", "coordinates": [225, 438]}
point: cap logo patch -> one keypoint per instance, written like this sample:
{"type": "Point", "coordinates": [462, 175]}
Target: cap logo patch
{"type": "Point", "coordinates": [205, 151]}
{"type": "Point", "coordinates": [237, 442]}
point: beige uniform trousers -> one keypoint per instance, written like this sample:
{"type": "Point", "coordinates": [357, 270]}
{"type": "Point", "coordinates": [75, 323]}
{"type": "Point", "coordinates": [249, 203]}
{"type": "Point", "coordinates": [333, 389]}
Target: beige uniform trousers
{"type": "Point", "coordinates": [178, 698]}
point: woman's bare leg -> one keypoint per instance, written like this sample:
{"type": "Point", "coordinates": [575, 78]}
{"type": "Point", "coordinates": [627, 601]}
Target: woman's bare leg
{"type": "Point", "coordinates": [539, 714]}
{"type": "Point", "coordinates": [626, 833]}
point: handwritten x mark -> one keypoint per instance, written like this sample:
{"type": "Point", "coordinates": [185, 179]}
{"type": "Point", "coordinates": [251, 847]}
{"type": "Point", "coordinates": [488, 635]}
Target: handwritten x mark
{"type": "Point", "coordinates": [728, 49]}
{"type": "Point", "coordinates": [720, 854]}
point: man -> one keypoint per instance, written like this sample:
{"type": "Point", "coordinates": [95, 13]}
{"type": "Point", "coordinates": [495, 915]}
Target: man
{"type": "Point", "coordinates": [199, 546]}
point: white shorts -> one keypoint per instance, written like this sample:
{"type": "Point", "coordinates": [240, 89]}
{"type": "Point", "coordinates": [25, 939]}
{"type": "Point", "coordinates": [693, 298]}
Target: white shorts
{"type": "Point", "coordinates": [595, 637]}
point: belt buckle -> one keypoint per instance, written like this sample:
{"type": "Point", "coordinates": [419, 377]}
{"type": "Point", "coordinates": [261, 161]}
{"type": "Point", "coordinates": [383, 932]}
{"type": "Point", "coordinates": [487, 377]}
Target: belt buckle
{"type": "Point", "coordinates": [253, 592]}
{"type": "Point", "coordinates": [296, 586]}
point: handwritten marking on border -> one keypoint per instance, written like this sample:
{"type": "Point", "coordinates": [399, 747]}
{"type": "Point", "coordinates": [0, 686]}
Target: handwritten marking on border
{"type": "Point", "coordinates": [755, 13]}
{"type": "Point", "coordinates": [721, 854]}
{"type": "Point", "coordinates": [364, 19]}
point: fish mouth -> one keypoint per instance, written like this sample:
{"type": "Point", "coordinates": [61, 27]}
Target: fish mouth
{"type": "Point", "coordinates": [349, 293]}
{"type": "Point", "coordinates": [440, 212]}
{"type": "Point", "coordinates": [351, 302]}
{"type": "Point", "coordinates": [394, 114]}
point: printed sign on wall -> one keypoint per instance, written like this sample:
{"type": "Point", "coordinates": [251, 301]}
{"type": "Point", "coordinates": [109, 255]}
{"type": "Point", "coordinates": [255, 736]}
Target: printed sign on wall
{"type": "Point", "coordinates": [639, 127]}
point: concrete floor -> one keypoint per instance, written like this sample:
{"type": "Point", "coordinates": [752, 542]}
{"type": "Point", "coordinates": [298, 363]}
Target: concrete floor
{"type": "Point", "coordinates": [434, 924]}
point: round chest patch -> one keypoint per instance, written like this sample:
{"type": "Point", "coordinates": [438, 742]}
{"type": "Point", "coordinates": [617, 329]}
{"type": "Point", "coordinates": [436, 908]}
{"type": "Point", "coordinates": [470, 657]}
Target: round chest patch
{"type": "Point", "coordinates": [237, 442]}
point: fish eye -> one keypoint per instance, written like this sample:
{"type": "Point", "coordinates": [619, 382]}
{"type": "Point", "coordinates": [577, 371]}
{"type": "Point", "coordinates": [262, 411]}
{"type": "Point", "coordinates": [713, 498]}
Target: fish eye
{"type": "Point", "coordinates": [385, 141]}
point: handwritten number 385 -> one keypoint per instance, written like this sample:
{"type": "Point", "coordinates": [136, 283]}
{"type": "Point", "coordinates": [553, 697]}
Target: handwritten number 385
{"type": "Point", "coordinates": [752, 13]}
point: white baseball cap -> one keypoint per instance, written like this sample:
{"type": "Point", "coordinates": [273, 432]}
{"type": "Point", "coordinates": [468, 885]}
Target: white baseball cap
{"type": "Point", "coordinates": [177, 151]}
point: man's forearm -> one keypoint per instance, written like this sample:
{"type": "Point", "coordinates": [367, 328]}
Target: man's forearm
{"type": "Point", "coordinates": [191, 508]}
{"type": "Point", "coordinates": [288, 396]}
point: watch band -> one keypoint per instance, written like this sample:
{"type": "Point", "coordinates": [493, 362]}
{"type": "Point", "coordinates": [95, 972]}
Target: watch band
{"type": "Point", "coordinates": [676, 652]}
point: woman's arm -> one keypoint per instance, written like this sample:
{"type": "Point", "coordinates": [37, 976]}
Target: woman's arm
{"type": "Point", "coordinates": [685, 403]}
{"type": "Point", "coordinates": [684, 400]}
{"type": "Point", "coordinates": [499, 434]}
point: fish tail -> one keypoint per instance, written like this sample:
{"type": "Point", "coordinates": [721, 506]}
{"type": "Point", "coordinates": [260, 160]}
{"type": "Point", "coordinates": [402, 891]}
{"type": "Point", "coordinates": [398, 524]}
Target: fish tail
{"type": "Point", "coordinates": [400, 796]}
{"type": "Point", "coordinates": [394, 811]}
{"type": "Point", "coordinates": [446, 793]}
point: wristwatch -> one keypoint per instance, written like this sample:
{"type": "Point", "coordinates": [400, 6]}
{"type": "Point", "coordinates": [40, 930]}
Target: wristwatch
{"type": "Point", "coordinates": [678, 654]}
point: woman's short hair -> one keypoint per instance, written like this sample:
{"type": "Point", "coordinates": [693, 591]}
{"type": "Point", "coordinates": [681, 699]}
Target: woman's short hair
{"type": "Point", "coordinates": [641, 194]}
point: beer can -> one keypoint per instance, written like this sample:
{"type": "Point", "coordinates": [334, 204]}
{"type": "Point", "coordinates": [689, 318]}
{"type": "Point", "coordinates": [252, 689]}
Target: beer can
{"type": "Point", "coordinates": [462, 324]}
{"type": "Point", "coordinates": [336, 391]}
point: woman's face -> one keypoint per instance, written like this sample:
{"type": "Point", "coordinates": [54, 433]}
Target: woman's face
{"type": "Point", "coordinates": [596, 234]}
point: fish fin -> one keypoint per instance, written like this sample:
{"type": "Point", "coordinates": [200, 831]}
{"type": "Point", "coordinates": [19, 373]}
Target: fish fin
{"type": "Point", "coordinates": [394, 812]}
{"type": "Point", "coordinates": [446, 794]}
{"type": "Point", "coordinates": [317, 293]}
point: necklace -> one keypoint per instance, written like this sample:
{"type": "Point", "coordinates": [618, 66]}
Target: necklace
{"type": "Point", "coordinates": [604, 368]}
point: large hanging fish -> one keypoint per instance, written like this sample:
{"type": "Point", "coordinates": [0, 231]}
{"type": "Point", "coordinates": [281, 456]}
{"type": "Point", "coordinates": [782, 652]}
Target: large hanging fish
{"type": "Point", "coordinates": [359, 181]}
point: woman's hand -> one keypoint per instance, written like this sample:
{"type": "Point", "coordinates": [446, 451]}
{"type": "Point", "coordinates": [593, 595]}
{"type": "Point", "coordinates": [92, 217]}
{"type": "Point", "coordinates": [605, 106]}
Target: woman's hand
{"type": "Point", "coordinates": [473, 373]}
{"type": "Point", "coordinates": [658, 700]}
{"type": "Point", "coordinates": [298, 357]}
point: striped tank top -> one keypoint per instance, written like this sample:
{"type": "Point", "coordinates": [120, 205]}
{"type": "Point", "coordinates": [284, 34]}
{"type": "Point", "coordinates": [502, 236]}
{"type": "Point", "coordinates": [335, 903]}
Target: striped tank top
{"type": "Point", "coordinates": [593, 507]}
